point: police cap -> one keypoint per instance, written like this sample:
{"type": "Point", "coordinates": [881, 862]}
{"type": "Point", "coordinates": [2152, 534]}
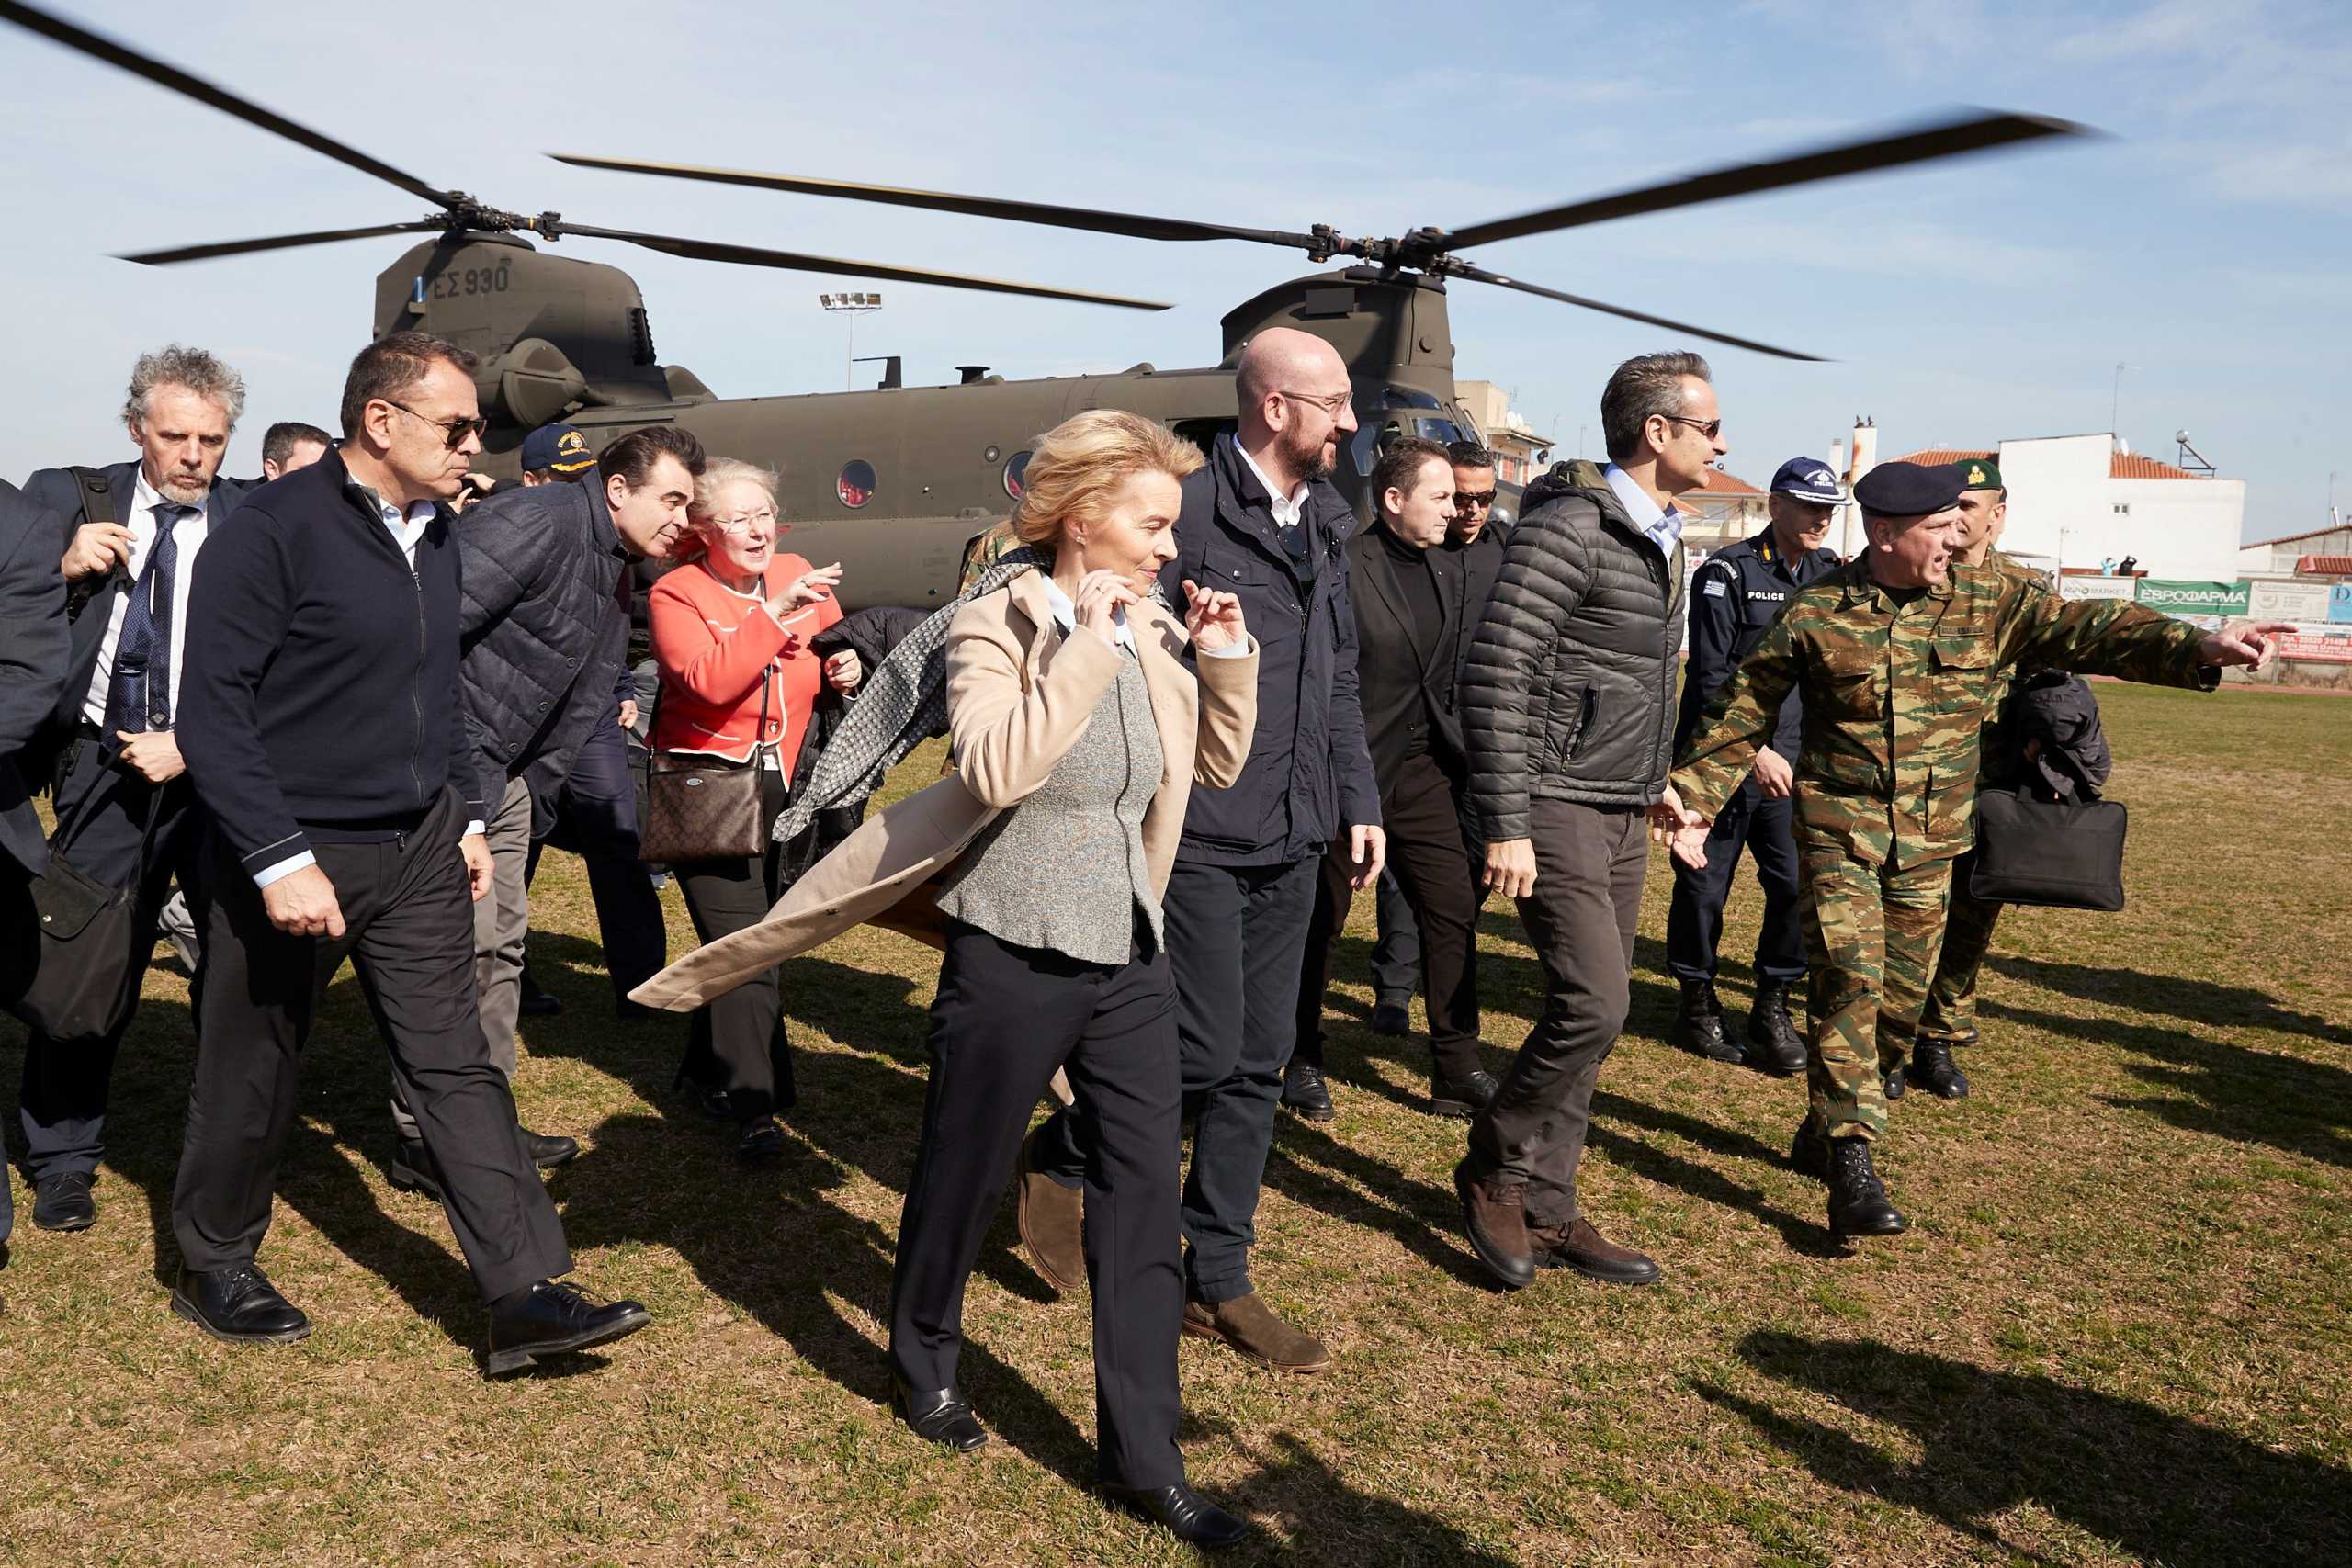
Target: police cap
{"type": "Point", "coordinates": [558, 447]}
{"type": "Point", "coordinates": [1909, 490]}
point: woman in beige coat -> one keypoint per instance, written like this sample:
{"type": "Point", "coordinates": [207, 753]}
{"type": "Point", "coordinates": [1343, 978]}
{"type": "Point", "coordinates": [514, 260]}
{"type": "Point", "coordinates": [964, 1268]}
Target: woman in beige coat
{"type": "Point", "coordinates": [1078, 726]}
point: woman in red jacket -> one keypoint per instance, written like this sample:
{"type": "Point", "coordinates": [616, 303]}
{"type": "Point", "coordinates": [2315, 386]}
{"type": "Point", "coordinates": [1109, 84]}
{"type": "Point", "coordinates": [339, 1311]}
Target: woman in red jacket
{"type": "Point", "coordinates": [731, 634]}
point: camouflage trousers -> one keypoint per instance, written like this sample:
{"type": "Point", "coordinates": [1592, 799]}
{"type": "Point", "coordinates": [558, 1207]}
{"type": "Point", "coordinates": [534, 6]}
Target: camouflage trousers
{"type": "Point", "coordinates": [1870, 935]}
{"type": "Point", "coordinates": [1951, 1011]}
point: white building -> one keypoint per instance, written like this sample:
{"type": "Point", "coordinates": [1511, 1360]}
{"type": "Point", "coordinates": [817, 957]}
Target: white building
{"type": "Point", "coordinates": [2085, 499]}
{"type": "Point", "coordinates": [1519, 453]}
{"type": "Point", "coordinates": [2280, 556]}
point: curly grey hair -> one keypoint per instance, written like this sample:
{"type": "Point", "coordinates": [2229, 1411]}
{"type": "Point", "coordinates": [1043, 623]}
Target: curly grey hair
{"type": "Point", "coordinates": [200, 372]}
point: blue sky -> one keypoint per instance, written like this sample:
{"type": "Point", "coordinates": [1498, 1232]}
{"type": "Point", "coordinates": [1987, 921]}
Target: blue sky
{"type": "Point", "coordinates": [2202, 245]}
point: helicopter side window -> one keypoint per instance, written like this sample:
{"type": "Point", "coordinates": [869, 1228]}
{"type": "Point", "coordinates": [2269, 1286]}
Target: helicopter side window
{"type": "Point", "coordinates": [1015, 467]}
{"type": "Point", "coordinates": [856, 485]}
{"type": "Point", "coordinates": [1440, 430]}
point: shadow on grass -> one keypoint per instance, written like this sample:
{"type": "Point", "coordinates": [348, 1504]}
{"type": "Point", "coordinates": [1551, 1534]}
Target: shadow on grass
{"type": "Point", "coordinates": [1329, 1520]}
{"type": "Point", "coordinates": [2160, 1487]}
{"type": "Point", "coordinates": [2197, 1001]}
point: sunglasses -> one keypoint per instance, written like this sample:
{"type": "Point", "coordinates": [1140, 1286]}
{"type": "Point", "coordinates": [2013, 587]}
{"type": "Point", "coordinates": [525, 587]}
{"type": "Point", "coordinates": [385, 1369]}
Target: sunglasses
{"type": "Point", "coordinates": [453, 430]}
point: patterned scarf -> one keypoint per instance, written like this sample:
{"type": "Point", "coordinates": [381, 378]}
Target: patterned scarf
{"type": "Point", "coordinates": [902, 703]}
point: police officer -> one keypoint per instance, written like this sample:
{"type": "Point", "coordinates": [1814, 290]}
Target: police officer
{"type": "Point", "coordinates": [1733, 600]}
{"type": "Point", "coordinates": [1898, 655]}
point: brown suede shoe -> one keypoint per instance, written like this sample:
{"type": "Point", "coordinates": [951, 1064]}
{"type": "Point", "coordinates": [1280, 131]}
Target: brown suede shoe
{"type": "Point", "coordinates": [1052, 1222]}
{"type": "Point", "coordinates": [1250, 1326]}
{"type": "Point", "coordinates": [1495, 1215]}
{"type": "Point", "coordinates": [1585, 1250]}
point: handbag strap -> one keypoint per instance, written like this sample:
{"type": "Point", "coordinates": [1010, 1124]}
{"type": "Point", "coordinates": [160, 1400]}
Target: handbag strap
{"type": "Point", "coordinates": [653, 720]}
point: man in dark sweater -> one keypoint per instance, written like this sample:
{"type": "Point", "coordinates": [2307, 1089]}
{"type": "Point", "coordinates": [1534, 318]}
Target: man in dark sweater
{"type": "Point", "coordinates": [1568, 707]}
{"type": "Point", "coordinates": [325, 731]}
{"type": "Point", "coordinates": [1410, 603]}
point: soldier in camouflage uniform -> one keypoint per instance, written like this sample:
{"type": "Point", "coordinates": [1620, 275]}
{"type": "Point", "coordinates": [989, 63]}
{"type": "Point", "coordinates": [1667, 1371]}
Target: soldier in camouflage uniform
{"type": "Point", "coordinates": [1897, 656]}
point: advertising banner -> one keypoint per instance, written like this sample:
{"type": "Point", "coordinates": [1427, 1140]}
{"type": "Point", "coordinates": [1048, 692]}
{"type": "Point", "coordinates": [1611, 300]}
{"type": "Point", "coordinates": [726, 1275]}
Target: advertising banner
{"type": "Point", "coordinates": [2182, 598]}
{"type": "Point", "coordinates": [2299, 601]}
{"type": "Point", "coordinates": [2095, 587]}
{"type": "Point", "coordinates": [2339, 601]}
{"type": "Point", "coordinates": [2320, 644]}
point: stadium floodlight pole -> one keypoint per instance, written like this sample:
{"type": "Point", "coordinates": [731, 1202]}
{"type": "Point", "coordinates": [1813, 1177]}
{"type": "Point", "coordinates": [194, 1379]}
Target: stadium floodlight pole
{"type": "Point", "coordinates": [850, 307]}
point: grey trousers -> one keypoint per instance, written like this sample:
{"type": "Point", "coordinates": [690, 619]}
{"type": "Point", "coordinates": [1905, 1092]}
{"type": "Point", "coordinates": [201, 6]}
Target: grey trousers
{"type": "Point", "coordinates": [502, 922]}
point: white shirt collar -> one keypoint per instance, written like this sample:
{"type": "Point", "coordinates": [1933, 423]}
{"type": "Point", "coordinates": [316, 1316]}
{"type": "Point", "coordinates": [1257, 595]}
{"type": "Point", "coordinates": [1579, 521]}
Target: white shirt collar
{"type": "Point", "coordinates": [1287, 508]}
{"type": "Point", "coordinates": [1065, 614]}
{"type": "Point", "coordinates": [1663, 524]}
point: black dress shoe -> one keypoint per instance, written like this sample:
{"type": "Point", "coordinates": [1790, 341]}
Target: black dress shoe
{"type": "Point", "coordinates": [1390, 1018]}
{"type": "Point", "coordinates": [1305, 1092]}
{"type": "Point", "coordinates": [63, 1203]}
{"type": "Point", "coordinates": [553, 1318]}
{"type": "Point", "coordinates": [1465, 1098]}
{"type": "Point", "coordinates": [1858, 1203]}
{"type": "Point", "coordinates": [413, 1169]}
{"type": "Point", "coordinates": [547, 1151]}
{"type": "Point", "coordinates": [944, 1416]}
{"type": "Point", "coordinates": [239, 1305]}
{"type": "Point", "coordinates": [716, 1104]}
{"type": "Point", "coordinates": [761, 1141]}
{"type": "Point", "coordinates": [537, 1003]}
{"type": "Point", "coordinates": [1183, 1513]}
{"type": "Point", "coordinates": [1932, 1068]}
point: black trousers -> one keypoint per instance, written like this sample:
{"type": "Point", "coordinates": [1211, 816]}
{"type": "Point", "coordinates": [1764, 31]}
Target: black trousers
{"type": "Point", "coordinates": [1236, 934]}
{"type": "Point", "coordinates": [1589, 863]}
{"type": "Point", "coordinates": [1396, 953]}
{"type": "Point", "coordinates": [101, 817]}
{"type": "Point", "coordinates": [409, 933]}
{"type": "Point", "coordinates": [737, 1041]}
{"type": "Point", "coordinates": [1005, 1018]}
{"type": "Point", "coordinates": [1430, 857]}
{"type": "Point", "coordinates": [1694, 922]}
{"type": "Point", "coordinates": [597, 819]}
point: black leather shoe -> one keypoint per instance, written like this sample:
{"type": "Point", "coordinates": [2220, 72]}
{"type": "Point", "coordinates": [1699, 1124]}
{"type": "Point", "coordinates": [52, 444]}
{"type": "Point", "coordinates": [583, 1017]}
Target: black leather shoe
{"type": "Point", "coordinates": [1810, 1152]}
{"type": "Point", "coordinates": [239, 1305]}
{"type": "Point", "coordinates": [1183, 1513]}
{"type": "Point", "coordinates": [1390, 1018]}
{"type": "Point", "coordinates": [1965, 1037]}
{"type": "Point", "coordinates": [63, 1203]}
{"type": "Point", "coordinates": [943, 1416]}
{"type": "Point", "coordinates": [1466, 1098]}
{"type": "Point", "coordinates": [716, 1104]}
{"type": "Point", "coordinates": [1892, 1083]}
{"type": "Point", "coordinates": [760, 1142]}
{"type": "Point", "coordinates": [1773, 1043]}
{"type": "Point", "coordinates": [1932, 1068]}
{"type": "Point", "coordinates": [413, 1169]}
{"type": "Point", "coordinates": [1305, 1093]}
{"type": "Point", "coordinates": [553, 1318]}
{"type": "Point", "coordinates": [1699, 1023]}
{"type": "Point", "coordinates": [1858, 1203]}
{"type": "Point", "coordinates": [547, 1151]}
{"type": "Point", "coordinates": [537, 1003]}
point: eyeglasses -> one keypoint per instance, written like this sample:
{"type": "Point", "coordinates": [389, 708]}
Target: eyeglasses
{"type": "Point", "coordinates": [453, 430]}
{"type": "Point", "coordinates": [1475, 498]}
{"type": "Point", "coordinates": [764, 518]}
{"type": "Point", "coordinates": [1709, 428]}
{"type": "Point", "coordinates": [1330, 405]}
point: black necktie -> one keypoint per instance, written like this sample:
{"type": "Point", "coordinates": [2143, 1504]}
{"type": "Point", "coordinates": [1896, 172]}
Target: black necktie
{"type": "Point", "coordinates": [139, 695]}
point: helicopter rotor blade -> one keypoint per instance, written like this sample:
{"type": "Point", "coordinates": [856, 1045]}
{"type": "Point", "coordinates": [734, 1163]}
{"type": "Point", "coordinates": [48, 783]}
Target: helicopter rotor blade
{"type": "Point", "coordinates": [274, 243]}
{"type": "Point", "coordinates": [1134, 225]}
{"type": "Point", "coordinates": [1977, 132]}
{"type": "Point", "coordinates": [795, 261]}
{"type": "Point", "coordinates": [78, 39]}
{"type": "Point", "coordinates": [1480, 275]}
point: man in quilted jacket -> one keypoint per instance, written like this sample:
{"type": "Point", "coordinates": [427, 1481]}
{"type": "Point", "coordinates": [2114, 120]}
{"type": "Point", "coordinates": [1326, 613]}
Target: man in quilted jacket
{"type": "Point", "coordinates": [1568, 704]}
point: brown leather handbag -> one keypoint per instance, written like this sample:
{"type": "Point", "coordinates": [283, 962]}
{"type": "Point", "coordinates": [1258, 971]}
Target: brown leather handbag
{"type": "Point", "coordinates": [698, 807]}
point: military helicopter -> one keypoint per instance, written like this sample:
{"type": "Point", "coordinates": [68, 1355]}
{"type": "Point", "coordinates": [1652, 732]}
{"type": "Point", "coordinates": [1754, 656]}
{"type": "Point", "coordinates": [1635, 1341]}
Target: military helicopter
{"type": "Point", "coordinates": [896, 482]}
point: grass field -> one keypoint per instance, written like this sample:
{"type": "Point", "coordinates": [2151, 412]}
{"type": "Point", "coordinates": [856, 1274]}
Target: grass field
{"type": "Point", "coordinates": [2116, 1331]}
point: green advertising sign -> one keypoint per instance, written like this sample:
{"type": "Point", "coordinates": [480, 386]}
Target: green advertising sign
{"type": "Point", "coordinates": [2175, 598]}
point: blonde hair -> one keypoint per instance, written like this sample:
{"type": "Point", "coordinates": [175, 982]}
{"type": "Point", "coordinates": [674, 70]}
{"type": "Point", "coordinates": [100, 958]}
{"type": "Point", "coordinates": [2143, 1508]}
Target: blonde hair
{"type": "Point", "coordinates": [721, 472]}
{"type": "Point", "coordinates": [1076, 467]}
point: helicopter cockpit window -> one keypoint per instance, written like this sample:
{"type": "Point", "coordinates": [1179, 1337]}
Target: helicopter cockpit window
{"type": "Point", "coordinates": [1440, 430]}
{"type": "Point", "coordinates": [855, 486]}
{"type": "Point", "coordinates": [1014, 467]}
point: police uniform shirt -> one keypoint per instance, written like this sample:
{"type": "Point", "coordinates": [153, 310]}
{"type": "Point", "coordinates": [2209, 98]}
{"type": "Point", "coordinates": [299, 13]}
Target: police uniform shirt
{"type": "Point", "coordinates": [1735, 598]}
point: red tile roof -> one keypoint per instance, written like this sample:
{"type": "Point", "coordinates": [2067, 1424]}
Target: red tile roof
{"type": "Point", "coordinates": [2132, 466]}
{"type": "Point", "coordinates": [2323, 566]}
{"type": "Point", "coordinates": [1720, 483]}
{"type": "Point", "coordinates": [1934, 456]}
{"type": "Point", "coordinates": [2290, 539]}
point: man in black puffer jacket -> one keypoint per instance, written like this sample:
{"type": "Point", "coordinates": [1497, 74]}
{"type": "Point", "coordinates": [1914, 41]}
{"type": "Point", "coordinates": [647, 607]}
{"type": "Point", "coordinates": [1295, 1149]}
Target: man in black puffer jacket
{"type": "Point", "coordinates": [1567, 708]}
{"type": "Point", "coordinates": [543, 627]}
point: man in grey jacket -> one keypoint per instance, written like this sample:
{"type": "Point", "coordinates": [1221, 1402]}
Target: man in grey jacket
{"type": "Point", "coordinates": [544, 627]}
{"type": "Point", "coordinates": [1567, 710]}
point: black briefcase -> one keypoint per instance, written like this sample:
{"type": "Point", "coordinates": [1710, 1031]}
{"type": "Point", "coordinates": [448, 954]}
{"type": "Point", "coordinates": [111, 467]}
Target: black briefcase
{"type": "Point", "coordinates": [2065, 854]}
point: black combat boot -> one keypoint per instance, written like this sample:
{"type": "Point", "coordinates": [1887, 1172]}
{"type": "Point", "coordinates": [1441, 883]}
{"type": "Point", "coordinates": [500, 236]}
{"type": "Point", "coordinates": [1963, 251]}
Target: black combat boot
{"type": "Point", "coordinates": [1699, 1023]}
{"type": "Point", "coordinates": [1891, 1083]}
{"type": "Point", "coordinates": [1810, 1152]}
{"type": "Point", "coordinates": [1933, 1069]}
{"type": "Point", "coordinates": [1858, 1203]}
{"type": "Point", "coordinates": [1773, 1043]}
